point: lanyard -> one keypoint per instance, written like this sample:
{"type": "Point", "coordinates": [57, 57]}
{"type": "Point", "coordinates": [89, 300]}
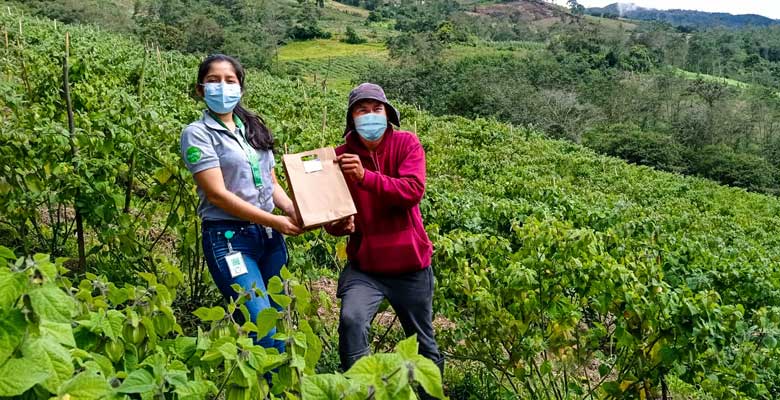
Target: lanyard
{"type": "Point", "coordinates": [251, 154]}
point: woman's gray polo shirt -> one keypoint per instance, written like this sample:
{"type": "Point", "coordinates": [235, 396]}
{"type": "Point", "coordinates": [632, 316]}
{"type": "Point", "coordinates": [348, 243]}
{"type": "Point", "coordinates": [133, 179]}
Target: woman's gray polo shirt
{"type": "Point", "coordinates": [207, 144]}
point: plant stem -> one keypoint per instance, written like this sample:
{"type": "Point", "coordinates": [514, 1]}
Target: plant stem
{"type": "Point", "coordinates": [74, 153]}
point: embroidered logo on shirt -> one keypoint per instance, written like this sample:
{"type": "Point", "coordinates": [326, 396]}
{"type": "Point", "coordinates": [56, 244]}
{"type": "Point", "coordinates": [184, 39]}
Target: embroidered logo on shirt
{"type": "Point", "coordinates": [193, 154]}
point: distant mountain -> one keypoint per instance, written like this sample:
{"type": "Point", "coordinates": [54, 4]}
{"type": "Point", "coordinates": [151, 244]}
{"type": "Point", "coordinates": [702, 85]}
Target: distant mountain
{"type": "Point", "coordinates": [688, 18]}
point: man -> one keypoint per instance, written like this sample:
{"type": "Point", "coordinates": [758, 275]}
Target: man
{"type": "Point", "coordinates": [388, 250]}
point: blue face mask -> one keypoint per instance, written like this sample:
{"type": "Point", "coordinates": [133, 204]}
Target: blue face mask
{"type": "Point", "coordinates": [371, 126]}
{"type": "Point", "coordinates": [222, 97]}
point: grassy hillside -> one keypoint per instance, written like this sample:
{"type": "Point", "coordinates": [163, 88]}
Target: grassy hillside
{"type": "Point", "coordinates": [559, 272]}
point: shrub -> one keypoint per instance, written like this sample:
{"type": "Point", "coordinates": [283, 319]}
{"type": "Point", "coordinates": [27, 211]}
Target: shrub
{"type": "Point", "coordinates": [352, 37]}
{"type": "Point", "coordinates": [628, 142]}
{"type": "Point", "coordinates": [723, 164]}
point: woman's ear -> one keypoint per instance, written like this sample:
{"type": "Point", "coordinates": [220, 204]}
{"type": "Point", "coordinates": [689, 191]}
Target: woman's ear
{"type": "Point", "coordinates": [199, 90]}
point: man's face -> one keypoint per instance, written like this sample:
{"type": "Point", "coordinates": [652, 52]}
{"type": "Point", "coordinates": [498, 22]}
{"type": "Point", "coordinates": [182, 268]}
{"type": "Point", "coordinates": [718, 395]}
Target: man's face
{"type": "Point", "coordinates": [364, 107]}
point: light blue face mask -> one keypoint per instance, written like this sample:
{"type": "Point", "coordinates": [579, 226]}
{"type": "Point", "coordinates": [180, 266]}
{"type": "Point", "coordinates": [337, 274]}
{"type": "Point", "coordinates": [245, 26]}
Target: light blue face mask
{"type": "Point", "coordinates": [222, 97]}
{"type": "Point", "coordinates": [371, 126]}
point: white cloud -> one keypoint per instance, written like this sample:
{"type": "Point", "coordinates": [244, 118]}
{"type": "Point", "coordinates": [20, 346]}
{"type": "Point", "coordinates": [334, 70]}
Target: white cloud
{"type": "Point", "coordinates": [769, 8]}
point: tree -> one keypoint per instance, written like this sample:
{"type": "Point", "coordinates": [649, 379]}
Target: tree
{"type": "Point", "coordinates": [576, 8]}
{"type": "Point", "coordinates": [352, 37]}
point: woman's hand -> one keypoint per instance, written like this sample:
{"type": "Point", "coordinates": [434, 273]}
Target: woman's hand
{"type": "Point", "coordinates": [286, 225]}
{"type": "Point", "coordinates": [292, 214]}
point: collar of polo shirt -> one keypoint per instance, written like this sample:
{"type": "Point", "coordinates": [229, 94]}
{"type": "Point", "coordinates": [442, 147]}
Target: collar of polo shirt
{"type": "Point", "coordinates": [215, 123]}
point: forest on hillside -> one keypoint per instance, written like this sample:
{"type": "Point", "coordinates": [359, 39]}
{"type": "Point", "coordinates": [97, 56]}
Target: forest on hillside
{"type": "Point", "coordinates": [702, 102]}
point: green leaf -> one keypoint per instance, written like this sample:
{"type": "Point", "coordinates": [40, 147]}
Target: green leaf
{"type": "Point", "coordinates": [12, 286]}
{"type": "Point", "coordinates": [117, 295]}
{"type": "Point", "coordinates": [139, 381]}
{"type": "Point", "coordinates": [47, 268]}
{"type": "Point", "coordinates": [184, 347]}
{"type": "Point", "coordinates": [428, 375]}
{"type": "Point", "coordinates": [162, 174]}
{"type": "Point", "coordinates": [249, 326]}
{"type": "Point", "coordinates": [324, 386]}
{"type": "Point", "coordinates": [12, 327]}
{"type": "Point", "coordinates": [13, 382]}
{"type": "Point", "coordinates": [298, 362]}
{"type": "Point", "coordinates": [266, 320]}
{"type": "Point", "coordinates": [7, 253]}
{"type": "Point", "coordinates": [103, 363]}
{"type": "Point", "coordinates": [113, 325]}
{"type": "Point", "coordinates": [237, 288]}
{"type": "Point", "coordinates": [313, 348]}
{"type": "Point", "coordinates": [149, 277]}
{"type": "Point", "coordinates": [210, 314]}
{"type": "Point", "coordinates": [196, 390]}
{"type": "Point", "coordinates": [285, 273]}
{"type": "Point", "coordinates": [282, 300]}
{"type": "Point", "coordinates": [53, 357]}
{"type": "Point", "coordinates": [275, 285]}
{"type": "Point", "coordinates": [86, 386]}
{"type": "Point", "coordinates": [407, 348]}
{"type": "Point", "coordinates": [61, 332]}
{"type": "Point", "coordinates": [176, 378]}
{"type": "Point", "coordinates": [380, 370]}
{"type": "Point", "coordinates": [302, 297]}
{"type": "Point", "coordinates": [51, 303]}
{"type": "Point", "coordinates": [215, 352]}
{"type": "Point", "coordinates": [228, 350]}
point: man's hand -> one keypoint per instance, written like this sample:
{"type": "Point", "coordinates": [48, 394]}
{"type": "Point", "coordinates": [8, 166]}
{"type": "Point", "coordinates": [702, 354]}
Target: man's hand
{"type": "Point", "coordinates": [344, 226]}
{"type": "Point", "coordinates": [351, 167]}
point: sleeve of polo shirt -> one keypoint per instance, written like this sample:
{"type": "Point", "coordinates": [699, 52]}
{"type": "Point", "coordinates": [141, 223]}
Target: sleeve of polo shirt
{"type": "Point", "coordinates": [197, 149]}
{"type": "Point", "coordinates": [271, 159]}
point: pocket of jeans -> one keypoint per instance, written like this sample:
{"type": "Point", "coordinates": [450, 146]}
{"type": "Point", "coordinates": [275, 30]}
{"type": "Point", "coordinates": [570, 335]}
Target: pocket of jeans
{"type": "Point", "coordinates": [218, 250]}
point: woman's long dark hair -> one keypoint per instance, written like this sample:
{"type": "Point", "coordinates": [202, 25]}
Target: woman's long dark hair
{"type": "Point", "coordinates": [257, 133]}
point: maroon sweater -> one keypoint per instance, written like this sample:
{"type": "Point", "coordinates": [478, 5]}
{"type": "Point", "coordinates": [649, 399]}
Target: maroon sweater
{"type": "Point", "coordinates": [389, 237]}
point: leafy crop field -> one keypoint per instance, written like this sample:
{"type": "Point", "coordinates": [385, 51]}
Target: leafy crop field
{"type": "Point", "coordinates": [561, 274]}
{"type": "Point", "coordinates": [330, 60]}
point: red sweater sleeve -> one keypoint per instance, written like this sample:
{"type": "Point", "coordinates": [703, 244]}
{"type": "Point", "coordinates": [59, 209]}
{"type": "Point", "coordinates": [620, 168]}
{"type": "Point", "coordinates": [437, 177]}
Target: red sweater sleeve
{"type": "Point", "coordinates": [407, 190]}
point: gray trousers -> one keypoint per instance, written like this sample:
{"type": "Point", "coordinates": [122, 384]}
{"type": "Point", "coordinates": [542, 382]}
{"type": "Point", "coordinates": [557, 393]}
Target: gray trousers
{"type": "Point", "coordinates": [410, 295]}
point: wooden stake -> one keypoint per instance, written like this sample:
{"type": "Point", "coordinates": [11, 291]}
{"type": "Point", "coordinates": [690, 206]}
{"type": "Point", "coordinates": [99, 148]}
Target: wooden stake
{"type": "Point", "coordinates": [25, 79]}
{"type": "Point", "coordinates": [324, 125]}
{"type": "Point", "coordinates": [74, 152]}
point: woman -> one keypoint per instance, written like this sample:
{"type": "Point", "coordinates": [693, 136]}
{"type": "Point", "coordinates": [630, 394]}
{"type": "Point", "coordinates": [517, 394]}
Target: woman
{"type": "Point", "coordinates": [229, 153]}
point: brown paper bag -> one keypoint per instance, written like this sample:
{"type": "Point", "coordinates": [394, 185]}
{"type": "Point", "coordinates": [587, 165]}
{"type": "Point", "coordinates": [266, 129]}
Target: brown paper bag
{"type": "Point", "coordinates": [319, 190]}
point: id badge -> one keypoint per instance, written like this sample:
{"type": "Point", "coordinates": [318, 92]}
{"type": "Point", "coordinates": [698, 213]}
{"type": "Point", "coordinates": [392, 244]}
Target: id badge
{"type": "Point", "coordinates": [236, 265]}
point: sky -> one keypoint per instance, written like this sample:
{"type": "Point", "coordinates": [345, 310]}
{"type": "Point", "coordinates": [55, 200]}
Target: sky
{"type": "Point", "coordinates": [769, 8]}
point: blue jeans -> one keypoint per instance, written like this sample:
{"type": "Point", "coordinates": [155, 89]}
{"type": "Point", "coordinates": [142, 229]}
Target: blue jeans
{"type": "Point", "coordinates": [263, 256]}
